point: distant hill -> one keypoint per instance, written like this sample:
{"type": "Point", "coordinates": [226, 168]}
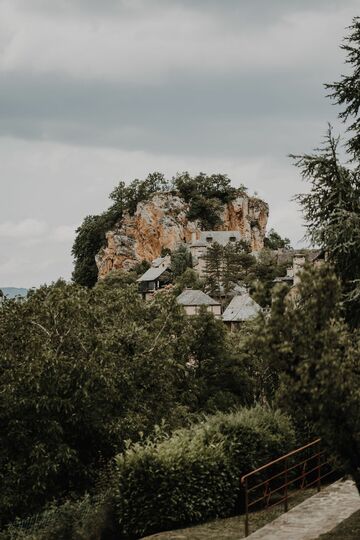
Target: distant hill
{"type": "Point", "coordinates": [12, 292]}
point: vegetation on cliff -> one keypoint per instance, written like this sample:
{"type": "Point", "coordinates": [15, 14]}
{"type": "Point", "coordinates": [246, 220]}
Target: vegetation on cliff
{"type": "Point", "coordinates": [205, 195]}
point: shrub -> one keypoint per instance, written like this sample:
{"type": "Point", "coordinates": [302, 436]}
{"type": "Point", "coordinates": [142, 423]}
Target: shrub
{"type": "Point", "coordinates": [89, 518]}
{"type": "Point", "coordinates": [193, 475]}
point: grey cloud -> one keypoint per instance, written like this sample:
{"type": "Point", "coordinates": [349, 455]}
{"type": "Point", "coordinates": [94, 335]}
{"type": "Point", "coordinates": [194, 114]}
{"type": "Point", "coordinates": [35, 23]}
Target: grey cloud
{"type": "Point", "coordinates": [224, 116]}
{"type": "Point", "coordinates": [245, 10]}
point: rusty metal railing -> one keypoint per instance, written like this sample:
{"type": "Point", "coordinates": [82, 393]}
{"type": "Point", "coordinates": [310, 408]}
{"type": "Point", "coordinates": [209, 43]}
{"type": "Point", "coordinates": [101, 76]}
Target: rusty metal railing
{"type": "Point", "coordinates": [299, 469]}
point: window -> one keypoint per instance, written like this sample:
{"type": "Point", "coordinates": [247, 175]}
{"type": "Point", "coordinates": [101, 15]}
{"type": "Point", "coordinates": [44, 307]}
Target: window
{"type": "Point", "coordinates": [209, 239]}
{"type": "Point", "coordinates": [232, 239]}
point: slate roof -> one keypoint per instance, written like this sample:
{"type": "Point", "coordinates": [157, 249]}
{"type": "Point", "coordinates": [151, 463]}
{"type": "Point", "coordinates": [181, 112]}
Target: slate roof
{"type": "Point", "coordinates": [191, 297]}
{"type": "Point", "coordinates": [241, 308]}
{"type": "Point", "coordinates": [157, 262]}
{"type": "Point", "coordinates": [152, 274]}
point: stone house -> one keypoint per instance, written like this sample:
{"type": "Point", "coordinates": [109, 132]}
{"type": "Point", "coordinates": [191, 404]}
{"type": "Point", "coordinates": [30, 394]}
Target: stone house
{"type": "Point", "coordinates": [192, 300]}
{"type": "Point", "coordinates": [198, 246]}
{"type": "Point", "coordinates": [241, 308]}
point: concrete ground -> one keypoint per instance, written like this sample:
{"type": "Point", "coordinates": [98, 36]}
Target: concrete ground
{"type": "Point", "coordinates": [317, 515]}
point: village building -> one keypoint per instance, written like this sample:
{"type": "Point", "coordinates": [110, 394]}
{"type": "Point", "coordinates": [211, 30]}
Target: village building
{"type": "Point", "coordinates": [241, 308]}
{"type": "Point", "coordinates": [156, 277]}
{"type": "Point", "coordinates": [199, 246]}
{"type": "Point", "coordinates": [292, 277]}
{"type": "Point", "coordinates": [192, 300]}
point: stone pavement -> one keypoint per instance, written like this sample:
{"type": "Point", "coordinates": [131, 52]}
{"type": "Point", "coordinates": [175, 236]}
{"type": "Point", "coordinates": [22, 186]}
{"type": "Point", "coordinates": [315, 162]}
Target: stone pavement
{"type": "Point", "coordinates": [317, 515]}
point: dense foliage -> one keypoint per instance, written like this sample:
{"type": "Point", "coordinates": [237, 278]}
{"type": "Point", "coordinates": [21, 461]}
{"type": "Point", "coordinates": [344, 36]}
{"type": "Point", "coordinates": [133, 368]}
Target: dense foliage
{"type": "Point", "coordinates": [80, 371]}
{"type": "Point", "coordinates": [233, 264]}
{"type": "Point", "coordinates": [165, 481]}
{"type": "Point", "coordinates": [194, 475]}
{"type": "Point", "coordinates": [308, 347]}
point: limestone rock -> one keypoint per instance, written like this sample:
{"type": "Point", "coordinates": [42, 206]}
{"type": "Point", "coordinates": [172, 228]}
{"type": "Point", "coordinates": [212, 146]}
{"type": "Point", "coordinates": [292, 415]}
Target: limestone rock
{"type": "Point", "coordinates": [161, 222]}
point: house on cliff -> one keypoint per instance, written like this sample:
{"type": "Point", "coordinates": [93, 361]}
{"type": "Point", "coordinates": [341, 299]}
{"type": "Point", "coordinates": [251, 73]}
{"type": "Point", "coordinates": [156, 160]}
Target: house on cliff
{"type": "Point", "coordinates": [156, 277]}
{"type": "Point", "coordinates": [202, 241]}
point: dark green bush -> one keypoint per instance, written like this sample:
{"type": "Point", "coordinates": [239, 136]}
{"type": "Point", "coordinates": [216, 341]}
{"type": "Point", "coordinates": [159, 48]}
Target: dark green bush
{"type": "Point", "coordinates": [88, 518]}
{"type": "Point", "coordinates": [194, 475]}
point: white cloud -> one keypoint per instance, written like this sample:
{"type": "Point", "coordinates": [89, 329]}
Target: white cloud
{"type": "Point", "coordinates": [24, 229]}
{"type": "Point", "coordinates": [63, 233]}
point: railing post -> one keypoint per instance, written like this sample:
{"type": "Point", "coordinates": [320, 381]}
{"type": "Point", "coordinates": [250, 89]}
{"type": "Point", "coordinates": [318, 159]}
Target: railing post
{"type": "Point", "coordinates": [319, 469]}
{"type": "Point", "coordinates": [246, 508]}
{"type": "Point", "coordinates": [286, 486]}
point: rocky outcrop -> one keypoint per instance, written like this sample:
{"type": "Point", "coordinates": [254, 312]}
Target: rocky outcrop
{"type": "Point", "coordinates": [162, 222]}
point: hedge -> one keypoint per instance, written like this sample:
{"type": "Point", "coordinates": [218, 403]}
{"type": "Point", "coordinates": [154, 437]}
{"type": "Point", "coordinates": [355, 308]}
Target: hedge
{"type": "Point", "coordinates": [187, 478]}
{"type": "Point", "coordinates": [193, 475]}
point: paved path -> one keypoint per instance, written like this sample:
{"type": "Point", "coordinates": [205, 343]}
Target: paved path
{"type": "Point", "coordinates": [317, 515]}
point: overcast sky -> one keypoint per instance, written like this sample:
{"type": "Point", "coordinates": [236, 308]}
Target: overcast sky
{"type": "Point", "coordinates": [93, 91]}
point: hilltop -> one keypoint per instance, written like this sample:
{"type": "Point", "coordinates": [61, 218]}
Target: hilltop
{"type": "Point", "coordinates": [149, 216]}
{"type": "Point", "coordinates": [13, 292]}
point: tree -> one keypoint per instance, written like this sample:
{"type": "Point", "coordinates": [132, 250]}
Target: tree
{"type": "Point", "coordinates": [205, 195]}
{"type": "Point", "coordinates": [313, 353]}
{"type": "Point", "coordinates": [90, 238]}
{"type": "Point", "coordinates": [332, 208]}
{"type": "Point", "coordinates": [274, 241]}
{"type": "Point", "coordinates": [188, 279]}
{"type": "Point", "coordinates": [332, 215]}
{"type": "Point", "coordinates": [260, 276]}
{"type": "Point", "coordinates": [80, 372]}
{"type": "Point", "coordinates": [346, 91]}
{"type": "Point", "coordinates": [219, 380]}
{"type": "Point", "coordinates": [180, 260]}
{"type": "Point", "coordinates": [214, 269]}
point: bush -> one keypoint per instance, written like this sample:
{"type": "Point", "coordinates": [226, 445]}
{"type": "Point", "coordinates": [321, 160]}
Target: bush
{"type": "Point", "coordinates": [88, 518]}
{"type": "Point", "coordinates": [193, 475]}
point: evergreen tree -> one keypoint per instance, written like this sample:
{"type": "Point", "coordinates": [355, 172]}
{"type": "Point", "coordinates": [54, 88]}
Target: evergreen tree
{"type": "Point", "coordinates": [311, 350]}
{"type": "Point", "coordinates": [214, 269]}
{"type": "Point", "coordinates": [274, 241]}
{"type": "Point", "coordinates": [180, 260]}
{"type": "Point", "coordinates": [347, 90]}
{"type": "Point", "coordinates": [332, 208]}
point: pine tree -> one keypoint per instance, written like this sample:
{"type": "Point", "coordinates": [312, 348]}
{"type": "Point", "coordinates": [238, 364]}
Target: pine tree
{"type": "Point", "coordinates": [214, 269]}
{"type": "Point", "coordinates": [332, 208]}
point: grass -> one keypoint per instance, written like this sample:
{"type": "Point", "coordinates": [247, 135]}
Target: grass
{"type": "Point", "coordinates": [347, 530]}
{"type": "Point", "coordinates": [232, 528]}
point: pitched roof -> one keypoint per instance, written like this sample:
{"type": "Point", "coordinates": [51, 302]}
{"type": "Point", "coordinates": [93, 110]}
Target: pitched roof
{"type": "Point", "coordinates": [152, 274]}
{"type": "Point", "coordinates": [241, 308]}
{"type": "Point", "coordinates": [191, 297]}
{"type": "Point", "coordinates": [158, 262]}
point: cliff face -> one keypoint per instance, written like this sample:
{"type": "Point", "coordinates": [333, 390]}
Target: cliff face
{"type": "Point", "coordinates": [161, 222]}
